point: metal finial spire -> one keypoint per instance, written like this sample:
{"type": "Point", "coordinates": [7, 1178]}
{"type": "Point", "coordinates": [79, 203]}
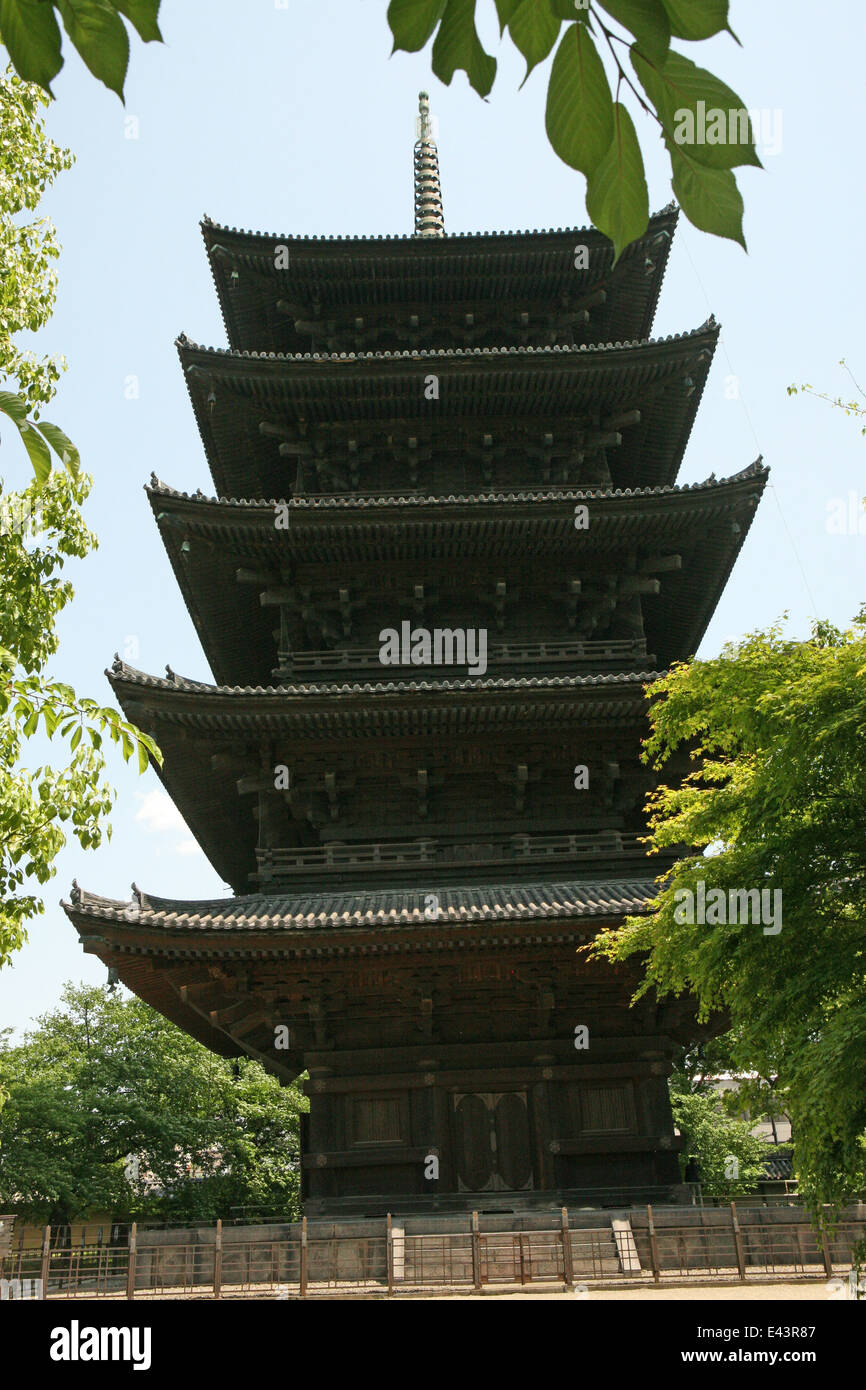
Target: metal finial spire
{"type": "Point", "coordinates": [429, 217]}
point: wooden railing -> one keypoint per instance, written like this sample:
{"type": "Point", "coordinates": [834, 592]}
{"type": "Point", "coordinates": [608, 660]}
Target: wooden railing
{"type": "Point", "coordinates": [621, 652]}
{"type": "Point", "coordinates": [605, 844]}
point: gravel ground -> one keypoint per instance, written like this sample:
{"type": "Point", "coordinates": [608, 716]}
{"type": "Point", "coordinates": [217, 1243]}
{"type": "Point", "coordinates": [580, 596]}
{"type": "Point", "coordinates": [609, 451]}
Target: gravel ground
{"type": "Point", "coordinates": [801, 1291]}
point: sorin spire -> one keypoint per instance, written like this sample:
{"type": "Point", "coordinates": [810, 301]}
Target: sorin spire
{"type": "Point", "coordinates": [429, 217]}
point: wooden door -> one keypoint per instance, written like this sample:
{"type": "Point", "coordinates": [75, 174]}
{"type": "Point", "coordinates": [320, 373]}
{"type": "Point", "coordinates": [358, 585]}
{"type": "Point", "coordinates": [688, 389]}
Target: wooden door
{"type": "Point", "coordinates": [491, 1142]}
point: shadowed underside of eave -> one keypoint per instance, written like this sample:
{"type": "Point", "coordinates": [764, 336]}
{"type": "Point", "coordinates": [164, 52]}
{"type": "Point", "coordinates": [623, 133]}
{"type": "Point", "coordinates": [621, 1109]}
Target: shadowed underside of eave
{"type": "Point", "coordinates": [345, 276]}
{"type": "Point", "coordinates": [208, 542]}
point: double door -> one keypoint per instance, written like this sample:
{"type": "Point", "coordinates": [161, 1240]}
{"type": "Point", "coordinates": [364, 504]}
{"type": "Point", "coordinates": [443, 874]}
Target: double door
{"type": "Point", "coordinates": [492, 1141]}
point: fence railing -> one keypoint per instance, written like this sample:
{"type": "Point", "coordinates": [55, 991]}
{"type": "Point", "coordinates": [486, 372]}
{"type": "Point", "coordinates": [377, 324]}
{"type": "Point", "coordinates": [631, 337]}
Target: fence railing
{"type": "Point", "coordinates": [638, 1244]}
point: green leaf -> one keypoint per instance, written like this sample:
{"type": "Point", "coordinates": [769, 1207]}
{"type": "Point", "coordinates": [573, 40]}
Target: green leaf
{"type": "Point", "coordinates": [457, 45]}
{"type": "Point", "coordinates": [697, 19]}
{"type": "Point", "coordinates": [698, 111]}
{"type": "Point", "coordinates": [100, 36]}
{"type": "Point", "coordinates": [142, 15]}
{"type": "Point", "coordinates": [709, 198]}
{"type": "Point", "coordinates": [76, 739]}
{"type": "Point", "coordinates": [62, 446]}
{"type": "Point", "coordinates": [31, 34]}
{"type": "Point", "coordinates": [38, 451]}
{"type": "Point", "coordinates": [647, 20]}
{"type": "Point", "coordinates": [31, 724]}
{"type": "Point", "coordinates": [617, 198]}
{"type": "Point", "coordinates": [13, 406]}
{"type": "Point", "coordinates": [534, 31]}
{"type": "Point", "coordinates": [413, 21]}
{"type": "Point", "coordinates": [579, 116]}
{"type": "Point", "coordinates": [569, 9]}
{"type": "Point", "coordinates": [505, 9]}
{"type": "Point", "coordinates": [143, 759]}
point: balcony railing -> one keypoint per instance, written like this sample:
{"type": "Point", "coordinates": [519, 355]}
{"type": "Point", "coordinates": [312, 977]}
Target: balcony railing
{"type": "Point", "coordinates": [516, 849]}
{"type": "Point", "coordinates": [618, 654]}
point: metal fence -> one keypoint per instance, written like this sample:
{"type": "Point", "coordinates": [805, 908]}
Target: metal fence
{"type": "Point", "coordinates": [637, 1245]}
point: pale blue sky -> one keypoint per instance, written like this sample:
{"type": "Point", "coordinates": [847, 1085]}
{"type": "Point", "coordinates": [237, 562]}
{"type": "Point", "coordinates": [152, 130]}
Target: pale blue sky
{"type": "Point", "coordinates": [291, 118]}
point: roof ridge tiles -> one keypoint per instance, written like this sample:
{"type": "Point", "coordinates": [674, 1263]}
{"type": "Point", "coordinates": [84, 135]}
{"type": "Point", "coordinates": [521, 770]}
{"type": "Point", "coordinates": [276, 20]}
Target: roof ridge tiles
{"type": "Point", "coordinates": [407, 354]}
{"type": "Point", "coordinates": [120, 670]}
{"type": "Point", "coordinates": [388, 905]}
{"type": "Point", "coordinates": [409, 237]}
{"type": "Point", "coordinates": [157, 486]}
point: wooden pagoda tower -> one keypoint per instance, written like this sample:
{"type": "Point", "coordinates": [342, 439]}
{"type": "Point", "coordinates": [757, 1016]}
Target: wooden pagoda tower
{"type": "Point", "coordinates": [457, 434]}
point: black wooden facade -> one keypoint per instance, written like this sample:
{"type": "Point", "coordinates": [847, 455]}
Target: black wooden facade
{"type": "Point", "coordinates": [452, 434]}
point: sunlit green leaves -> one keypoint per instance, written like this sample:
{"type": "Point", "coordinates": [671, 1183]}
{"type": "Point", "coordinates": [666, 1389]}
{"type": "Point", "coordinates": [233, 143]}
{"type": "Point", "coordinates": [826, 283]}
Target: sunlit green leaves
{"type": "Point", "coordinates": [29, 30]}
{"type": "Point", "coordinates": [62, 446]}
{"type": "Point", "coordinates": [101, 1077]}
{"type": "Point", "coordinates": [579, 116]}
{"type": "Point", "coordinates": [696, 19]}
{"type": "Point", "coordinates": [617, 197]}
{"type": "Point", "coordinates": [534, 29]}
{"type": "Point", "coordinates": [714, 1139]}
{"type": "Point", "coordinates": [698, 112]}
{"type": "Point", "coordinates": [31, 35]}
{"type": "Point", "coordinates": [99, 34]}
{"type": "Point", "coordinates": [143, 15]}
{"type": "Point", "coordinates": [41, 526]}
{"type": "Point", "coordinates": [505, 9]}
{"type": "Point", "coordinates": [710, 198]}
{"type": "Point", "coordinates": [413, 22]}
{"type": "Point", "coordinates": [705, 125]}
{"type": "Point", "coordinates": [647, 20]}
{"type": "Point", "coordinates": [36, 439]}
{"type": "Point", "coordinates": [457, 46]}
{"type": "Point", "coordinates": [778, 786]}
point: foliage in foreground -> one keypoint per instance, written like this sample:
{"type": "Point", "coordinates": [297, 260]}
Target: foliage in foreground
{"type": "Point", "coordinates": [41, 528]}
{"type": "Point", "coordinates": [778, 731]}
{"type": "Point", "coordinates": [703, 124]}
{"type": "Point", "coordinates": [101, 1079]}
{"type": "Point", "coordinates": [731, 1159]}
{"type": "Point", "coordinates": [30, 31]}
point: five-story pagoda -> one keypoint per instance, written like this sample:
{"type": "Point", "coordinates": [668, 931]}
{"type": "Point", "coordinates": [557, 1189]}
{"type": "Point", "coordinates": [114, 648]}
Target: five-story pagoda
{"type": "Point", "coordinates": [446, 554]}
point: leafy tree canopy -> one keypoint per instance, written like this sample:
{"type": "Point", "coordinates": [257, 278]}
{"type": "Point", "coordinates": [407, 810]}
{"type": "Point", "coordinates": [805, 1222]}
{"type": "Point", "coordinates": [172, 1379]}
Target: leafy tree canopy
{"type": "Point", "coordinates": [730, 1158]}
{"type": "Point", "coordinates": [41, 527]}
{"type": "Point", "coordinates": [777, 729]}
{"type": "Point", "coordinates": [101, 1079]}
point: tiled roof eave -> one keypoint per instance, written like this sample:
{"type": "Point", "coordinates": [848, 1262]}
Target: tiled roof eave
{"type": "Point", "coordinates": [123, 675]}
{"type": "Point", "coordinates": [451, 240]}
{"type": "Point", "coordinates": [559, 901]}
{"type": "Point", "coordinates": [264, 507]}
{"type": "Point", "coordinates": [492, 355]}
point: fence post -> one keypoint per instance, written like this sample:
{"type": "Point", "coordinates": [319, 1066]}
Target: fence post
{"type": "Point", "coordinates": [654, 1245]}
{"type": "Point", "coordinates": [130, 1269]}
{"type": "Point", "coordinates": [303, 1278]}
{"type": "Point", "coordinates": [389, 1255]}
{"type": "Point", "coordinates": [46, 1259]}
{"type": "Point", "coordinates": [476, 1252]}
{"type": "Point", "coordinates": [567, 1260]}
{"type": "Point", "coordinates": [218, 1261]}
{"type": "Point", "coordinates": [825, 1249]}
{"type": "Point", "coordinates": [738, 1243]}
